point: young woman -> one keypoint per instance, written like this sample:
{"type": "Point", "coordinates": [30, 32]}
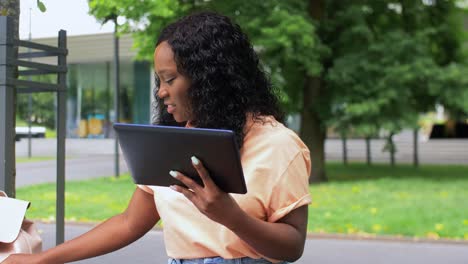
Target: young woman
{"type": "Point", "coordinates": [208, 75]}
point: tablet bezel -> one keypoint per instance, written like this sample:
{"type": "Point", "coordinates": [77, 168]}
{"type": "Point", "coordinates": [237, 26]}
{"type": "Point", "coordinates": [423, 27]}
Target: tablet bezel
{"type": "Point", "coordinates": [159, 149]}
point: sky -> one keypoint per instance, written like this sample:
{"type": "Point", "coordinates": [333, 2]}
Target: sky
{"type": "Point", "coordinates": [70, 15]}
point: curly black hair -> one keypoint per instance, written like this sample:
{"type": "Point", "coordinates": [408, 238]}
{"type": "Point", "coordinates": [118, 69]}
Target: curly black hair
{"type": "Point", "coordinates": [227, 81]}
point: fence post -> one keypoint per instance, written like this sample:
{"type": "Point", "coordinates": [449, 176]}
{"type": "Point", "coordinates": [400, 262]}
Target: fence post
{"type": "Point", "coordinates": [61, 131]}
{"type": "Point", "coordinates": [7, 86]}
{"type": "Point", "coordinates": [116, 98]}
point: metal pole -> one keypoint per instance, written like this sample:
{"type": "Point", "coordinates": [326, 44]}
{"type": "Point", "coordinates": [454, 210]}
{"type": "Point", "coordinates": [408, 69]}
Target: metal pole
{"type": "Point", "coordinates": [29, 97]}
{"type": "Point", "coordinates": [7, 86]}
{"type": "Point", "coordinates": [61, 131]}
{"type": "Point", "coordinates": [116, 95]}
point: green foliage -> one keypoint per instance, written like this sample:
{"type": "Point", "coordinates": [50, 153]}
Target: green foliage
{"type": "Point", "coordinates": [371, 65]}
{"type": "Point", "coordinates": [392, 61]}
{"type": "Point", "coordinates": [41, 6]}
{"type": "Point", "coordinates": [386, 84]}
{"type": "Point", "coordinates": [383, 62]}
{"type": "Point", "coordinates": [284, 35]}
{"type": "Point", "coordinates": [144, 19]}
{"type": "Point", "coordinates": [43, 105]}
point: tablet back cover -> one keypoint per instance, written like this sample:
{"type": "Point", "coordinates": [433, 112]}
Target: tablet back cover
{"type": "Point", "coordinates": [152, 151]}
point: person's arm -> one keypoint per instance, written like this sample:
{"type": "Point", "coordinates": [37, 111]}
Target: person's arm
{"type": "Point", "coordinates": [119, 231]}
{"type": "Point", "coordinates": [281, 240]}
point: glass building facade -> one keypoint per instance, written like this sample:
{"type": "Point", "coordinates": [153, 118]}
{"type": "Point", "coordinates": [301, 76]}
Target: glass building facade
{"type": "Point", "coordinates": [91, 84]}
{"type": "Point", "coordinates": [91, 92]}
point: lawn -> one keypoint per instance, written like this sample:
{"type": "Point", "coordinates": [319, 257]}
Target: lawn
{"type": "Point", "coordinates": [430, 201]}
{"type": "Point", "coordinates": [32, 159]}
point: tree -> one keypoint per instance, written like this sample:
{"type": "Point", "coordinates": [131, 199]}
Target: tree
{"type": "Point", "coordinates": [388, 59]}
{"type": "Point", "coordinates": [282, 32]}
{"type": "Point", "coordinates": [364, 64]}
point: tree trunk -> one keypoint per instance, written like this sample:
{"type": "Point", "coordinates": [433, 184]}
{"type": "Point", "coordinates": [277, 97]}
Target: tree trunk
{"type": "Point", "coordinates": [415, 148]}
{"type": "Point", "coordinates": [12, 8]}
{"type": "Point", "coordinates": [368, 151]}
{"type": "Point", "coordinates": [312, 130]}
{"type": "Point", "coordinates": [345, 149]}
{"type": "Point", "coordinates": [392, 150]}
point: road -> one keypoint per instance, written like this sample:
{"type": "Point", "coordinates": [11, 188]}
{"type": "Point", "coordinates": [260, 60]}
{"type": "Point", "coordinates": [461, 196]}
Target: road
{"type": "Point", "coordinates": [150, 250]}
{"type": "Point", "coordinates": [76, 168]}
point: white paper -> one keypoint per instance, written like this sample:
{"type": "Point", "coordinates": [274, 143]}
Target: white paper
{"type": "Point", "coordinates": [12, 213]}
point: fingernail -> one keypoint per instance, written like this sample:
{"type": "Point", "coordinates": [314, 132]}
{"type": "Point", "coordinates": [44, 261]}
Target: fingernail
{"type": "Point", "coordinates": [195, 160]}
{"type": "Point", "coordinates": [173, 173]}
{"type": "Point", "coordinates": [173, 187]}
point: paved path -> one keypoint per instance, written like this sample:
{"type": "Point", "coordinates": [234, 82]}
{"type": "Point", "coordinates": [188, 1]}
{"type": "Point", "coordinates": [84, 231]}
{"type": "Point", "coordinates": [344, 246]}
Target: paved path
{"type": "Point", "coordinates": [150, 250]}
{"type": "Point", "coordinates": [76, 168]}
{"type": "Point", "coordinates": [90, 158]}
{"type": "Point", "coordinates": [438, 151]}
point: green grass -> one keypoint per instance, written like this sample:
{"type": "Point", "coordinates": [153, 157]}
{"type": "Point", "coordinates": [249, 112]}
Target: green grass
{"type": "Point", "coordinates": [90, 200]}
{"type": "Point", "coordinates": [32, 159]}
{"type": "Point", "coordinates": [50, 133]}
{"type": "Point", "coordinates": [20, 122]}
{"type": "Point", "coordinates": [430, 201]}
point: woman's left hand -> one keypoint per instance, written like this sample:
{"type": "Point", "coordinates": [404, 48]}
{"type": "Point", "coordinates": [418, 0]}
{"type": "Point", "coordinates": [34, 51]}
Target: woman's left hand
{"type": "Point", "coordinates": [209, 199]}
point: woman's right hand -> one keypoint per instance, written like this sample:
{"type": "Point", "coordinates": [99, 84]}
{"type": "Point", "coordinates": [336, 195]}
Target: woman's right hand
{"type": "Point", "coordinates": [23, 259]}
{"type": "Point", "coordinates": [139, 217]}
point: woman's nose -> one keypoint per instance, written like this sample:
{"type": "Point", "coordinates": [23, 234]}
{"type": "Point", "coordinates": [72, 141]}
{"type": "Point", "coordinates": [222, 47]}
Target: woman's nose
{"type": "Point", "coordinates": [162, 93]}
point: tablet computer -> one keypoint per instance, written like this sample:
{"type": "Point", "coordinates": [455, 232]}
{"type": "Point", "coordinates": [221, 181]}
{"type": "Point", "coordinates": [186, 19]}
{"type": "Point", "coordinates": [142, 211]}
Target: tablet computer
{"type": "Point", "coordinates": [152, 151]}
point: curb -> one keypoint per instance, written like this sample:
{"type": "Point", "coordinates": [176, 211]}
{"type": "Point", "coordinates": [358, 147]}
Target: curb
{"type": "Point", "coordinates": [312, 235]}
{"type": "Point", "coordinates": [387, 238]}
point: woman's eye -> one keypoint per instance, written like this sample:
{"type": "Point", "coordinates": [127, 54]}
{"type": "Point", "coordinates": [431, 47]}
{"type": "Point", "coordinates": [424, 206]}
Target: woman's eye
{"type": "Point", "coordinates": [170, 80]}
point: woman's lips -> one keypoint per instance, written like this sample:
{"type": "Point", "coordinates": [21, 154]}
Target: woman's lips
{"type": "Point", "coordinates": [170, 109]}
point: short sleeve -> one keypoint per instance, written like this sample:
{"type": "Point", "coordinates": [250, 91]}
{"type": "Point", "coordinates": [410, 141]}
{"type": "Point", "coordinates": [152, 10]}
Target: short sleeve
{"type": "Point", "coordinates": [291, 190]}
{"type": "Point", "coordinates": [145, 188]}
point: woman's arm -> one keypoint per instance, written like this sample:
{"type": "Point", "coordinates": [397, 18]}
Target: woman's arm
{"type": "Point", "coordinates": [282, 240]}
{"type": "Point", "coordinates": [119, 231]}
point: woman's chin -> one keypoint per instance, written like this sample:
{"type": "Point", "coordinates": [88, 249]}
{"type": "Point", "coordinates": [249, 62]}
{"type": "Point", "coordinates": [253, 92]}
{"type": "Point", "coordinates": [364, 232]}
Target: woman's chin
{"type": "Point", "coordinates": [178, 119]}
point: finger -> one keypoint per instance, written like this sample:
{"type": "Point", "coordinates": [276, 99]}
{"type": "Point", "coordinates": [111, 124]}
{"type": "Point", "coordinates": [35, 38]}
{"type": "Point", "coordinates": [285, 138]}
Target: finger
{"type": "Point", "coordinates": [204, 175]}
{"type": "Point", "coordinates": [186, 192]}
{"type": "Point", "coordinates": [191, 184]}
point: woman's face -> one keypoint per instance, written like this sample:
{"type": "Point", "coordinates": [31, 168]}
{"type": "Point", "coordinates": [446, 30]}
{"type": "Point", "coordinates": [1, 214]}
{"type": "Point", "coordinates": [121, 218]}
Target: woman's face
{"type": "Point", "coordinates": [173, 86]}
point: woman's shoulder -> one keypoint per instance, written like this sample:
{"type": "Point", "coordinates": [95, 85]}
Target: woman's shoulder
{"type": "Point", "coordinates": [270, 145]}
{"type": "Point", "coordinates": [267, 130]}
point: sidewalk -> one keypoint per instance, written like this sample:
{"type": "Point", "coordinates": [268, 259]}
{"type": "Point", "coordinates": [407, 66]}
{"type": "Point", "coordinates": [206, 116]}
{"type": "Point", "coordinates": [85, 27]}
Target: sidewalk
{"type": "Point", "coordinates": [434, 151]}
{"type": "Point", "coordinates": [150, 250]}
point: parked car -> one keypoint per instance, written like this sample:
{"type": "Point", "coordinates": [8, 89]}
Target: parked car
{"type": "Point", "coordinates": [36, 132]}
